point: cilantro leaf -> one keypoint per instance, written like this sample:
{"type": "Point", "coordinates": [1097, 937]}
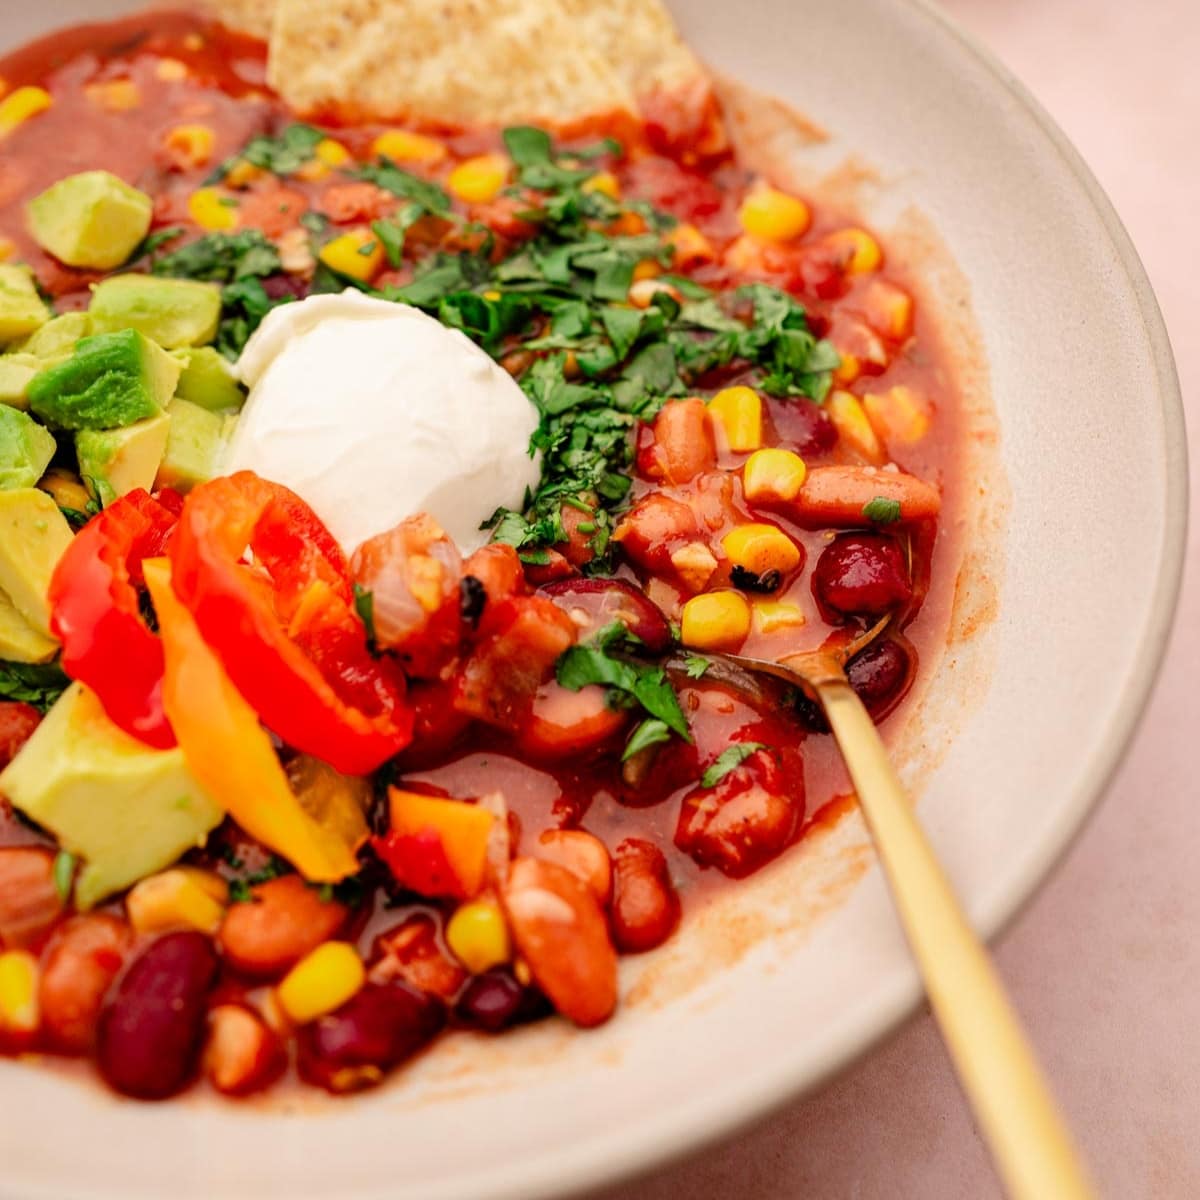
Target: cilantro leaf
{"type": "Point", "coordinates": [39, 684]}
{"type": "Point", "coordinates": [729, 760]}
{"type": "Point", "coordinates": [527, 145]}
{"type": "Point", "coordinates": [221, 258]}
{"type": "Point", "coordinates": [695, 666]}
{"type": "Point", "coordinates": [881, 510]}
{"type": "Point", "coordinates": [645, 684]}
{"type": "Point", "coordinates": [651, 732]}
{"type": "Point", "coordinates": [406, 185]}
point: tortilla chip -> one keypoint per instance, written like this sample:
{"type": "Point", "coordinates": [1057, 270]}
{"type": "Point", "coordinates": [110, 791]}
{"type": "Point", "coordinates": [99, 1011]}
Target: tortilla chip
{"type": "Point", "coordinates": [448, 63]}
{"type": "Point", "coordinates": [252, 17]}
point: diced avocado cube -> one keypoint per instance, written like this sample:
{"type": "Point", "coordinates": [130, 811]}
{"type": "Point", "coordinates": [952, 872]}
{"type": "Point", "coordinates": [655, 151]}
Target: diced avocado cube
{"type": "Point", "coordinates": [19, 641]}
{"type": "Point", "coordinates": [22, 310]}
{"type": "Point", "coordinates": [124, 808]}
{"type": "Point", "coordinates": [26, 448]}
{"type": "Point", "coordinates": [194, 446]}
{"type": "Point", "coordinates": [115, 461]}
{"type": "Point", "coordinates": [33, 537]}
{"type": "Point", "coordinates": [16, 374]}
{"type": "Point", "coordinates": [208, 380]}
{"type": "Point", "coordinates": [112, 379]}
{"type": "Point", "coordinates": [58, 336]}
{"type": "Point", "coordinates": [174, 312]}
{"type": "Point", "coordinates": [92, 219]}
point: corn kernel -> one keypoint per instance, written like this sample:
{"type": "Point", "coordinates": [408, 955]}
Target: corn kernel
{"type": "Point", "coordinates": [190, 145]}
{"type": "Point", "coordinates": [321, 981]}
{"type": "Point", "coordinates": [358, 254]}
{"type": "Point", "coordinates": [773, 476]}
{"type": "Point", "coordinates": [760, 548]}
{"type": "Point", "coordinates": [888, 309]}
{"type": "Point", "coordinates": [898, 416]}
{"type": "Point", "coordinates": [331, 152]}
{"type": "Point", "coordinates": [848, 370]}
{"type": "Point", "coordinates": [313, 171]}
{"type": "Point", "coordinates": [402, 146]}
{"type": "Point", "coordinates": [212, 209]}
{"type": "Point", "coordinates": [242, 174]}
{"type": "Point", "coordinates": [604, 182]}
{"type": "Point", "coordinates": [643, 291]}
{"type": "Point", "coordinates": [854, 429]}
{"type": "Point", "coordinates": [171, 70]}
{"type": "Point", "coordinates": [773, 216]}
{"type": "Point", "coordinates": [695, 564]}
{"type": "Point", "coordinates": [115, 95]}
{"type": "Point", "coordinates": [477, 935]}
{"type": "Point", "coordinates": [737, 411]}
{"type": "Point", "coordinates": [181, 896]}
{"type": "Point", "coordinates": [715, 621]}
{"type": "Point", "coordinates": [775, 616]}
{"type": "Point", "coordinates": [18, 992]}
{"type": "Point", "coordinates": [17, 108]}
{"type": "Point", "coordinates": [65, 488]}
{"type": "Point", "coordinates": [646, 268]}
{"type": "Point", "coordinates": [862, 251]}
{"type": "Point", "coordinates": [480, 179]}
{"type": "Point", "coordinates": [690, 245]}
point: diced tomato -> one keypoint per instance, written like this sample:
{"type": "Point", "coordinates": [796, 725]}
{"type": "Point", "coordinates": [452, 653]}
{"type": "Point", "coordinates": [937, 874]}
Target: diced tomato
{"type": "Point", "coordinates": [653, 528]}
{"type": "Point", "coordinates": [274, 210]}
{"type": "Point", "coordinates": [345, 203]}
{"type": "Point", "coordinates": [17, 723]}
{"type": "Point", "coordinates": [686, 194]}
{"type": "Point", "coordinates": [498, 568]}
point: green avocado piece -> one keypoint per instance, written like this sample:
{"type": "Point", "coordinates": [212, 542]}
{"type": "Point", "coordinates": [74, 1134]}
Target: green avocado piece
{"type": "Point", "coordinates": [92, 219]}
{"type": "Point", "coordinates": [58, 336]}
{"type": "Point", "coordinates": [19, 641]}
{"type": "Point", "coordinates": [124, 808]}
{"type": "Point", "coordinates": [26, 448]}
{"type": "Point", "coordinates": [112, 379]}
{"type": "Point", "coordinates": [194, 446]}
{"type": "Point", "coordinates": [16, 373]}
{"type": "Point", "coordinates": [33, 536]}
{"type": "Point", "coordinates": [174, 312]}
{"type": "Point", "coordinates": [115, 461]}
{"type": "Point", "coordinates": [22, 310]}
{"type": "Point", "coordinates": [208, 380]}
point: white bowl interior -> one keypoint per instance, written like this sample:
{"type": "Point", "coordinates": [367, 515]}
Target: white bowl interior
{"type": "Point", "coordinates": [1084, 389]}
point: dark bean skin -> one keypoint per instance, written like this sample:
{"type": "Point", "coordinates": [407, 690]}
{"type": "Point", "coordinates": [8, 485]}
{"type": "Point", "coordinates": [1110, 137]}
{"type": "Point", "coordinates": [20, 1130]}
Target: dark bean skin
{"type": "Point", "coordinates": [608, 600]}
{"type": "Point", "coordinates": [354, 1046]}
{"type": "Point", "coordinates": [645, 905]}
{"type": "Point", "coordinates": [880, 674]}
{"type": "Point", "coordinates": [495, 1001]}
{"type": "Point", "coordinates": [861, 574]}
{"type": "Point", "coordinates": [151, 1030]}
{"type": "Point", "coordinates": [802, 426]}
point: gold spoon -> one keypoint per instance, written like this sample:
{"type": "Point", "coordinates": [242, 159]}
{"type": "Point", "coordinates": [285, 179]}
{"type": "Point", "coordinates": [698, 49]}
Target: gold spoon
{"type": "Point", "coordinates": [996, 1066]}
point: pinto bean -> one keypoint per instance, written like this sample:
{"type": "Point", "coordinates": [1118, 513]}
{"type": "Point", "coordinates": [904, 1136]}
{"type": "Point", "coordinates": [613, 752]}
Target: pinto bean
{"type": "Point", "coordinates": [29, 901]}
{"type": "Point", "coordinates": [562, 934]}
{"type": "Point", "coordinates": [151, 1030]}
{"type": "Point", "coordinates": [241, 1054]}
{"type": "Point", "coordinates": [645, 905]}
{"type": "Point", "coordinates": [270, 934]}
{"type": "Point", "coordinates": [80, 963]}
{"type": "Point", "coordinates": [583, 854]}
{"type": "Point", "coordinates": [354, 1046]}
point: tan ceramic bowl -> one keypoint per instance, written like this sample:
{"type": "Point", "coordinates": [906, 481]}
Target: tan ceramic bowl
{"type": "Point", "coordinates": [1074, 528]}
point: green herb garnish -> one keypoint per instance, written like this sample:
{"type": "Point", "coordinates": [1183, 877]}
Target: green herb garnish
{"type": "Point", "coordinates": [64, 874]}
{"type": "Point", "coordinates": [729, 760]}
{"type": "Point", "coordinates": [39, 684]}
{"type": "Point", "coordinates": [882, 511]}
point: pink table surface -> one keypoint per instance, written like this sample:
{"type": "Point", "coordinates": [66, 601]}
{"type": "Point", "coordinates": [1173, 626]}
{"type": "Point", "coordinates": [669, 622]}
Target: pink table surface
{"type": "Point", "coordinates": [1105, 964]}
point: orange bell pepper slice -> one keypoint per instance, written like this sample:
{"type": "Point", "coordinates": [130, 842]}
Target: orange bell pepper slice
{"type": "Point", "coordinates": [226, 748]}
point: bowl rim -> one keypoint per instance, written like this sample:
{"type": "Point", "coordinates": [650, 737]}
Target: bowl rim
{"type": "Point", "coordinates": [751, 1098]}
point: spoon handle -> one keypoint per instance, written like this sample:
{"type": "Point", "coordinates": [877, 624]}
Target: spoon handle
{"type": "Point", "coordinates": [995, 1064]}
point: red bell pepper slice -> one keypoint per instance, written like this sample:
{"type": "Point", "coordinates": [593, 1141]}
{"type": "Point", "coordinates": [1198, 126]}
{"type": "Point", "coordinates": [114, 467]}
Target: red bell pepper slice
{"type": "Point", "coordinates": [95, 613]}
{"type": "Point", "coordinates": [270, 590]}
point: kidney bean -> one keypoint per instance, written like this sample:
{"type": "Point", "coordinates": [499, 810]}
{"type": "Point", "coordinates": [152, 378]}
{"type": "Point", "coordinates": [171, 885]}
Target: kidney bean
{"type": "Point", "coordinates": [746, 819]}
{"type": "Point", "coordinates": [881, 673]}
{"type": "Point", "coordinates": [29, 901]}
{"type": "Point", "coordinates": [413, 952]}
{"type": "Point", "coordinates": [802, 426]}
{"type": "Point", "coordinates": [270, 934]}
{"type": "Point", "coordinates": [80, 963]}
{"type": "Point", "coordinates": [645, 905]}
{"type": "Point", "coordinates": [562, 934]}
{"type": "Point", "coordinates": [151, 1030]}
{"type": "Point", "coordinates": [241, 1054]}
{"type": "Point", "coordinates": [17, 723]}
{"type": "Point", "coordinates": [495, 1000]}
{"type": "Point", "coordinates": [595, 603]}
{"type": "Point", "coordinates": [354, 1046]}
{"type": "Point", "coordinates": [861, 574]}
{"type": "Point", "coordinates": [583, 854]}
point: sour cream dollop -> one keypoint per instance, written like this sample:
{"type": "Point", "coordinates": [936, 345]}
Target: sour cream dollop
{"type": "Point", "coordinates": [373, 411]}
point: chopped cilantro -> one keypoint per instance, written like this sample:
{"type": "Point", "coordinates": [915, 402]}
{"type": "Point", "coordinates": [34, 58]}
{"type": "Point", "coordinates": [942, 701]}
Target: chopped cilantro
{"type": "Point", "coordinates": [241, 890]}
{"type": "Point", "coordinates": [64, 874]}
{"type": "Point", "coordinates": [364, 605]}
{"type": "Point", "coordinates": [284, 154]}
{"type": "Point", "coordinates": [881, 510]}
{"type": "Point", "coordinates": [406, 185]}
{"type": "Point", "coordinates": [39, 684]}
{"type": "Point", "coordinates": [221, 258]}
{"type": "Point", "coordinates": [651, 732]}
{"type": "Point", "coordinates": [729, 760]}
{"type": "Point", "coordinates": [695, 666]}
